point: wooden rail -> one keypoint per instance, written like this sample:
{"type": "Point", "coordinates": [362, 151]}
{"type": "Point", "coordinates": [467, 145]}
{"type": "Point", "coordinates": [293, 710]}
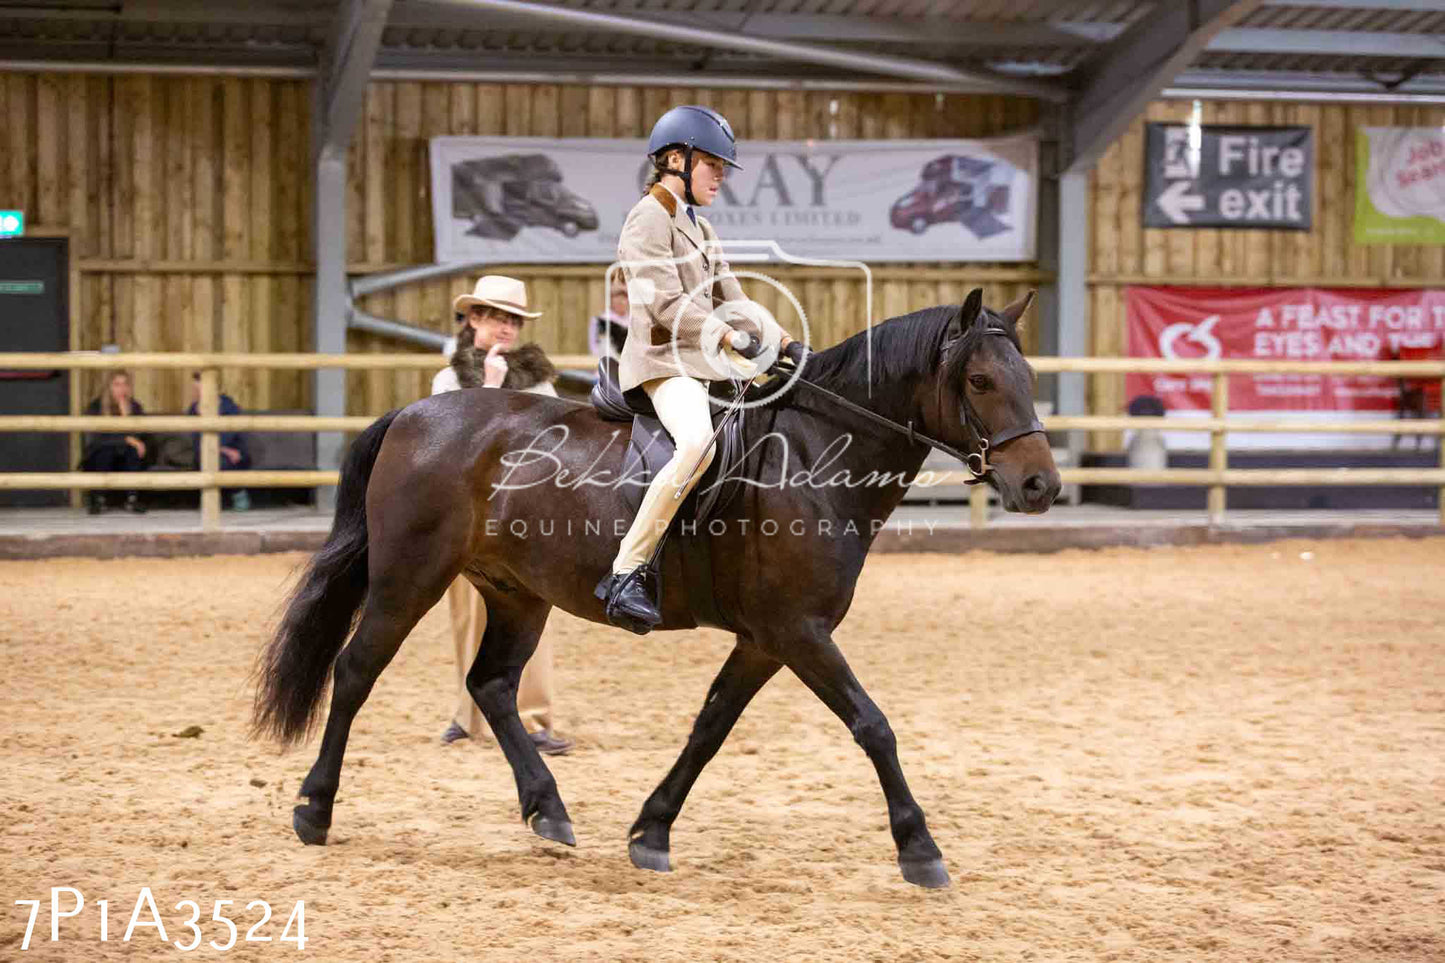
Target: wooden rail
{"type": "Point", "coordinates": [1218, 476]}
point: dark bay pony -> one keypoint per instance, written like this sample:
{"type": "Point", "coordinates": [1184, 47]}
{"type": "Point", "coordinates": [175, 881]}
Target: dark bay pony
{"type": "Point", "coordinates": [430, 492]}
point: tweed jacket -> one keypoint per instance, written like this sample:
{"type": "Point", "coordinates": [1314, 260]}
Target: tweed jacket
{"type": "Point", "coordinates": [677, 280]}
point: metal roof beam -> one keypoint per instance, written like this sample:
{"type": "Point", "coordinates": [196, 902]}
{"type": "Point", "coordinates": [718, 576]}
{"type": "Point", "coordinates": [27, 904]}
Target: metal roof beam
{"type": "Point", "coordinates": [934, 32]}
{"type": "Point", "coordinates": [850, 60]}
{"type": "Point", "coordinates": [1132, 70]}
{"type": "Point", "coordinates": [1304, 83]}
{"type": "Point", "coordinates": [346, 61]}
{"type": "Point", "coordinates": [1348, 43]}
{"type": "Point", "coordinates": [446, 14]}
{"type": "Point", "coordinates": [1421, 5]}
{"type": "Point", "coordinates": [271, 12]}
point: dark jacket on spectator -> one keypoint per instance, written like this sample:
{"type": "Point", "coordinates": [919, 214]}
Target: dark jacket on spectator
{"type": "Point", "coordinates": [229, 439]}
{"type": "Point", "coordinates": [94, 441]}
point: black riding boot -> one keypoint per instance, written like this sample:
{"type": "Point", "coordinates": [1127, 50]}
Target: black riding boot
{"type": "Point", "coordinates": [630, 601]}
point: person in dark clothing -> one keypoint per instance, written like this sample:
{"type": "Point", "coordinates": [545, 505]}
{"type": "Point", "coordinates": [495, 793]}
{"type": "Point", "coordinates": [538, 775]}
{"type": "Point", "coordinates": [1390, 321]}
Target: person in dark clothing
{"type": "Point", "coordinates": [235, 455]}
{"type": "Point", "coordinates": [114, 451]}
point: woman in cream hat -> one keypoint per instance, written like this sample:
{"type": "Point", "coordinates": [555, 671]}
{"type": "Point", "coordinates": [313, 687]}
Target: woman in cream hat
{"type": "Point", "coordinates": [493, 316]}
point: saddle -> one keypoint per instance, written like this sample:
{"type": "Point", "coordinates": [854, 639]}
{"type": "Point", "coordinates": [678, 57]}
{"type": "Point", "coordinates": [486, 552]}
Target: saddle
{"type": "Point", "coordinates": [649, 449]}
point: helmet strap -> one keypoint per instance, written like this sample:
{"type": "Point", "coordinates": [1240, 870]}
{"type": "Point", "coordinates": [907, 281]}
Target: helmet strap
{"type": "Point", "coordinates": [685, 174]}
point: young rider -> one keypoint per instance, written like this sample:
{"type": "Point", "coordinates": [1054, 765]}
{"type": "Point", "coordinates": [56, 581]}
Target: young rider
{"type": "Point", "coordinates": [683, 320]}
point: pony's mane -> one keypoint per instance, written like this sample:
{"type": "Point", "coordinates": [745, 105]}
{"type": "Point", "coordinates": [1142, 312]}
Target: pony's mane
{"type": "Point", "coordinates": [904, 348]}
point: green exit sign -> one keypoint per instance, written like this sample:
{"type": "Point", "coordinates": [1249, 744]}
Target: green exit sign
{"type": "Point", "coordinates": [12, 223]}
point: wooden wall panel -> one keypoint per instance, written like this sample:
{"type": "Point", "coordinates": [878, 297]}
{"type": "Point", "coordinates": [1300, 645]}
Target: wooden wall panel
{"type": "Point", "coordinates": [1123, 253]}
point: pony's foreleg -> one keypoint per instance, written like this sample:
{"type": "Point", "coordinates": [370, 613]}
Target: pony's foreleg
{"type": "Point", "coordinates": [514, 626]}
{"type": "Point", "coordinates": [745, 672]}
{"type": "Point", "coordinates": [391, 612]}
{"type": "Point", "coordinates": [822, 668]}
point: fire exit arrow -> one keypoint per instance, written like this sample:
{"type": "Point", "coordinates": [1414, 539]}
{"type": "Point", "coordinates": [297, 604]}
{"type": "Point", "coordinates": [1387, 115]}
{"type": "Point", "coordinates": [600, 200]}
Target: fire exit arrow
{"type": "Point", "coordinates": [1176, 203]}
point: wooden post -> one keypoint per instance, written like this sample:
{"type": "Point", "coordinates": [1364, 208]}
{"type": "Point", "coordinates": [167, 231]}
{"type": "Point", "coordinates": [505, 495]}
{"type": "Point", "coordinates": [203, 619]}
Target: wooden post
{"type": "Point", "coordinates": [210, 449]}
{"type": "Point", "coordinates": [978, 505]}
{"type": "Point", "coordinates": [1218, 448]}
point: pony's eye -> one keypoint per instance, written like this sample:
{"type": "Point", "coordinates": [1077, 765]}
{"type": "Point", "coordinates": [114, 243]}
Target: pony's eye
{"type": "Point", "coordinates": [980, 382]}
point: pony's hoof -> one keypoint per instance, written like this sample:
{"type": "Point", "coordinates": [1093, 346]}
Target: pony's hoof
{"type": "Point", "coordinates": [645, 857]}
{"type": "Point", "coordinates": [557, 830]}
{"type": "Point", "coordinates": [928, 873]}
{"type": "Point", "coordinates": [307, 831]}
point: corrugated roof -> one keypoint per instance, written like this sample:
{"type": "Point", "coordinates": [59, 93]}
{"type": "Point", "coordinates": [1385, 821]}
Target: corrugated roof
{"type": "Point", "coordinates": [1046, 38]}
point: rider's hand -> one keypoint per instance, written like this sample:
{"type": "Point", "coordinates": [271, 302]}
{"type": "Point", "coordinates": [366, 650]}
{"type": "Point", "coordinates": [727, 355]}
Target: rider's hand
{"type": "Point", "coordinates": [137, 444]}
{"type": "Point", "coordinates": [494, 368]}
{"type": "Point", "coordinates": [746, 344]}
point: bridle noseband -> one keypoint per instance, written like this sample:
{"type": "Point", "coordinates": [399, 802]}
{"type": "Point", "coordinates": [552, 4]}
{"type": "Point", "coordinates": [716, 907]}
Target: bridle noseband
{"type": "Point", "coordinates": [981, 442]}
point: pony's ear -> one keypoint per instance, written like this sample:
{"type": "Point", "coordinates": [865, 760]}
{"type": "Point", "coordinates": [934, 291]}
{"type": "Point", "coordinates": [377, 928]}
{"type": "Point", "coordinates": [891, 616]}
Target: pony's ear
{"type": "Point", "coordinates": [972, 305]}
{"type": "Point", "coordinates": [968, 313]}
{"type": "Point", "coordinates": [1014, 311]}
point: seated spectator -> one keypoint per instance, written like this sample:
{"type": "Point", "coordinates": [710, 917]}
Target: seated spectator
{"type": "Point", "coordinates": [1419, 397]}
{"type": "Point", "coordinates": [1146, 449]}
{"type": "Point", "coordinates": [607, 331]}
{"type": "Point", "coordinates": [114, 451]}
{"type": "Point", "coordinates": [235, 456]}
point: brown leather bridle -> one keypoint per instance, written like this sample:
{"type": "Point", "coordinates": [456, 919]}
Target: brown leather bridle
{"type": "Point", "coordinates": [980, 440]}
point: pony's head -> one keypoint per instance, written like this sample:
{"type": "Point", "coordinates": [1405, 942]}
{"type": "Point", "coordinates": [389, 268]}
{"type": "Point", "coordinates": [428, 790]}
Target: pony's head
{"type": "Point", "coordinates": [988, 384]}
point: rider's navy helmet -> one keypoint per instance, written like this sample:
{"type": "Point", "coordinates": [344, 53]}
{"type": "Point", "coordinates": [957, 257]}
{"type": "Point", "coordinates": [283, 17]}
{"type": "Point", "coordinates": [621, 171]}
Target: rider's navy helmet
{"type": "Point", "coordinates": [701, 128]}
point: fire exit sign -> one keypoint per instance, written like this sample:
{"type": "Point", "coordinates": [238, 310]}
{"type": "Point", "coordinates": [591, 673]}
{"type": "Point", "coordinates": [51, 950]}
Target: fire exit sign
{"type": "Point", "coordinates": [12, 223]}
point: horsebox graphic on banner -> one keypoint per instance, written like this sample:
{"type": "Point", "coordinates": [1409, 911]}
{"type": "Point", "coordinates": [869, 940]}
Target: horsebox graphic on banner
{"type": "Point", "coordinates": [1400, 185]}
{"type": "Point", "coordinates": [1228, 176]}
{"type": "Point", "coordinates": [548, 200]}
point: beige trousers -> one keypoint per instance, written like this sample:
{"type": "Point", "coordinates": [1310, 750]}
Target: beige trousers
{"type": "Point", "coordinates": [534, 692]}
{"type": "Point", "coordinates": [682, 407]}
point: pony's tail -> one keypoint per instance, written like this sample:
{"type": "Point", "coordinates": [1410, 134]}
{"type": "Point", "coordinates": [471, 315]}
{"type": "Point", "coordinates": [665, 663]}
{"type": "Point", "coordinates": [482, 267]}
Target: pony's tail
{"type": "Point", "coordinates": [294, 668]}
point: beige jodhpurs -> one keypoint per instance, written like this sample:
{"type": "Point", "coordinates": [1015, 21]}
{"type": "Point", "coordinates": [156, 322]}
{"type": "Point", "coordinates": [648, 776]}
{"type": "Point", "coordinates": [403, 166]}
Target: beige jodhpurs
{"type": "Point", "coordinates": [683, 408]}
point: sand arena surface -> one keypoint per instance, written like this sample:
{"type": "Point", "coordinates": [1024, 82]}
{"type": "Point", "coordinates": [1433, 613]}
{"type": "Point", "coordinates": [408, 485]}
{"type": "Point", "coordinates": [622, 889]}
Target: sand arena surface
{"type": "Point", "coordinates": [1229, 753]}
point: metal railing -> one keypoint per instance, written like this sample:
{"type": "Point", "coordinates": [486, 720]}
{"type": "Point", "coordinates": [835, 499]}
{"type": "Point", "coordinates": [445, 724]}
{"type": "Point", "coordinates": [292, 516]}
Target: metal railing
{"type": "Point", "coordinates": [1218, 477]}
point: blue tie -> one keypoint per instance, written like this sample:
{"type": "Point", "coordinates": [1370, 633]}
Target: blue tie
{"type": "Point", "coordinates": [691, 216]}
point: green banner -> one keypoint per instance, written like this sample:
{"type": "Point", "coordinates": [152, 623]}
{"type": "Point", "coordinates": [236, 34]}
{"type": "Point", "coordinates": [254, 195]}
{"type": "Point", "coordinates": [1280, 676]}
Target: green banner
{"type": "Point", "coordinates": [1400, 185]}
{"type": "Point", "coordinates": [22, 287]}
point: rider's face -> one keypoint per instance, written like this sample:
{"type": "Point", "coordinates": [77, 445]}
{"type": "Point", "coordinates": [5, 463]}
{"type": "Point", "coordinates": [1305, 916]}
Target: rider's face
{"type": "Point", "coordinates": [708, 174]}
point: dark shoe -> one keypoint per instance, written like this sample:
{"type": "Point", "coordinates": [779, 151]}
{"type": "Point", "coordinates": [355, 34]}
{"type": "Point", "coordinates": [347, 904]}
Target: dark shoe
{"type": "Point", "coordinates": [550, 744]}
{"type": "Point", "coordinates": [454, 733]}
{"type": "Point", "coordinates": [95, 503]}
{"type": "Point", "coordinates": [629, 602]}
{"type": "Point", "coordinates": [133, 505]}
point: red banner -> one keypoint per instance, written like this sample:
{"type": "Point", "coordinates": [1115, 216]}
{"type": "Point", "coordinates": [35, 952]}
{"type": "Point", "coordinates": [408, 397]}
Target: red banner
{"type": "Point", "coordinates": [1282, 324]}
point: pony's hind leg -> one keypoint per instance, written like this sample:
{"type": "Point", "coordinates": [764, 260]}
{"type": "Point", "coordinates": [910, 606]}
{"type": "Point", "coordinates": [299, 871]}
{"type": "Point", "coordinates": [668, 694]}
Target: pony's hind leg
{"type": "Point", "coordinates": [745, 672]}
{"type": "Point", "coordinates": [392, 610]}
{"type": "Point", "coordinates": [515, 620]}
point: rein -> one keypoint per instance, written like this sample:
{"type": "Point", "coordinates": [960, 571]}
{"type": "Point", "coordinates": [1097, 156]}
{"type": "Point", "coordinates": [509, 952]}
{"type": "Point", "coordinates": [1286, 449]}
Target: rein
{"type": "Point", "coordinates": [976, 461]}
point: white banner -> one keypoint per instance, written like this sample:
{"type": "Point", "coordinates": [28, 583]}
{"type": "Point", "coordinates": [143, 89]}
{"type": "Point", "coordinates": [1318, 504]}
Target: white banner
{"type": "Point", "coordinates": [1400, 185]}
{"type": "Point", "coordinates": [549, 200]}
